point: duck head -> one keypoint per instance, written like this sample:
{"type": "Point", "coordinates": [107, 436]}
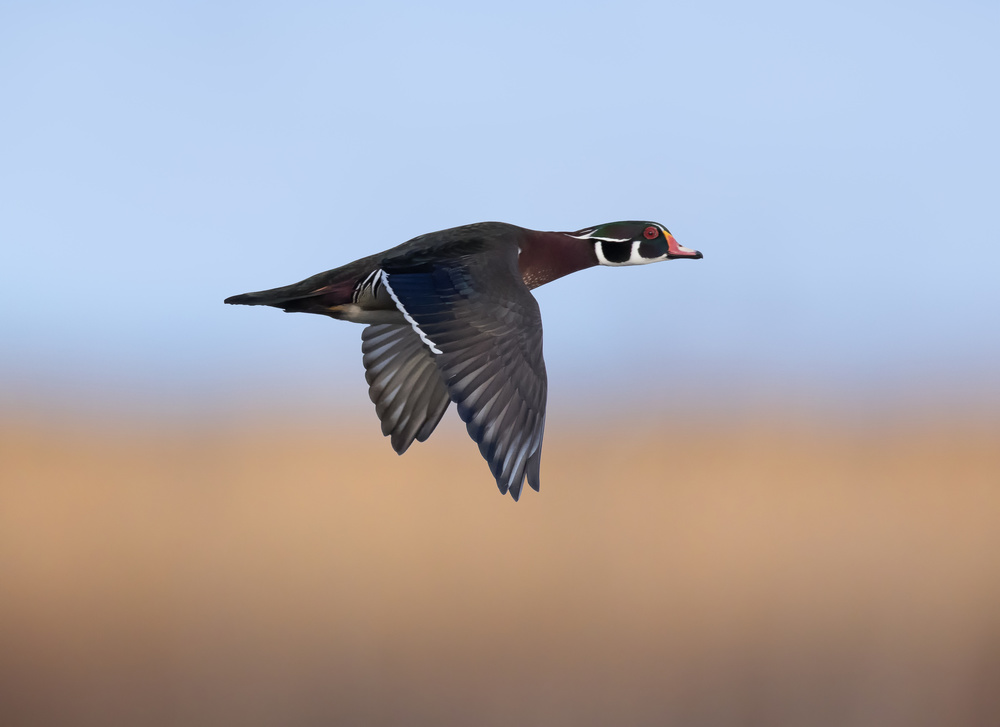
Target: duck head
{"type": "Point", "coordinates": [633, 243]}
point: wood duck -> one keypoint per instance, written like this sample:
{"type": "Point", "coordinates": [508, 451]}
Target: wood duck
{"type": "Point", "coordinates": [449, 317]}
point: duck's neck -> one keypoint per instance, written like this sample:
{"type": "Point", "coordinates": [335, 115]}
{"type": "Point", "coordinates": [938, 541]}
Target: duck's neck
{"type": "Point", "coordinates": [546, 256]}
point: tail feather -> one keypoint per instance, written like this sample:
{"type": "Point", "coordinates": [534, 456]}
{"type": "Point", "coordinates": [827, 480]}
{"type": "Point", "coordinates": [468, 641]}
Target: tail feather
{"type": "Point", "coordinates": [275, 299]}
{"type": "Point", "coordinates": [315, 294]}
{"type": "Point", "coordinates": [250, 299]}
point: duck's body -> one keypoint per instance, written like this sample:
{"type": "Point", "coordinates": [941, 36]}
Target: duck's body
{"type": "Point", "coordinates": [450, 318]}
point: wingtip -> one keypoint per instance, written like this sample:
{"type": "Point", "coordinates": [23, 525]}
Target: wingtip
{"type": "Point", "coordinates": [397, 438]}
{"type": "Point", "coordinates": [515, 487]}
{"type": "Point", "coordinates": [533, 469]}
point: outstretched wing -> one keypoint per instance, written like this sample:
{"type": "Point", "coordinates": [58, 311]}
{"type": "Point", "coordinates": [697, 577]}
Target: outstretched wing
{"type": "Point", "coordinates": [403, 382]}
{"type": "Point", "coordinates": [477, 320]}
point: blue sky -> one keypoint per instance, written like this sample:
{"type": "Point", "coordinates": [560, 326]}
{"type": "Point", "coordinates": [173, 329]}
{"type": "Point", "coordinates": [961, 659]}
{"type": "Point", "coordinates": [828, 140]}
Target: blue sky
{"type": "Point", "coordinates": [837, 164]}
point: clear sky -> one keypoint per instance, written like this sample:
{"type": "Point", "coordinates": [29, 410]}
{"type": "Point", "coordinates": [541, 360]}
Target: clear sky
{"type": "Point", "coordinates": [837, 163]}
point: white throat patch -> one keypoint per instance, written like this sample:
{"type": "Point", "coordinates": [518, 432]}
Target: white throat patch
{"type": "Point", "coordinates": [634, 257]}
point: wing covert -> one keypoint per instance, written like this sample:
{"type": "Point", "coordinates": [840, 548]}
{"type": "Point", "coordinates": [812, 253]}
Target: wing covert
{"type": "Point", "coordinates": [478, 313]}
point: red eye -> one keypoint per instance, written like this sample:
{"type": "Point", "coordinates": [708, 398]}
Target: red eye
{"type": "Point", "coordinates": [650, 232]}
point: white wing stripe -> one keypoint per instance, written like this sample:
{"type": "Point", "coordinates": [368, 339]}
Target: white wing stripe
{"type": "Point", "coordinates": [407, 316]}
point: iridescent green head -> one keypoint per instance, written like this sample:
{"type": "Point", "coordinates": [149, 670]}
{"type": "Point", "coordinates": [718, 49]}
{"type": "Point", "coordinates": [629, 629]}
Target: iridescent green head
{"type": "Point", "coordinates": [634, 243]}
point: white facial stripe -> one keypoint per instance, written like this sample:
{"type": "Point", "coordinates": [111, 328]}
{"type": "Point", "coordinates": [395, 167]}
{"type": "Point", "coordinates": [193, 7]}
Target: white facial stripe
{"type": "Point", "coordinates": [634, 257]}
{"type": "Point", "coordinates": [598, 248]}
{"type": "Point", "coordinates": [590, 236]}
{"type": "Point", "coordinates": [407, 316]}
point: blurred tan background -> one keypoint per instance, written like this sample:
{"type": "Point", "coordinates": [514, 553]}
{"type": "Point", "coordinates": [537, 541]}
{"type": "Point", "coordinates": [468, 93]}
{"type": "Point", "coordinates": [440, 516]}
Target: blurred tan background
{"type": "Point", "coordinates": [766, 569]}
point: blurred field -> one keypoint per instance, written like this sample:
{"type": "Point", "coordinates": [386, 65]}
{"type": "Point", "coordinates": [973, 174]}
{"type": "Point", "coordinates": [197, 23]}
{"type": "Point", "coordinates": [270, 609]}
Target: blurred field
{"type": "Point", "coordinates": [771, 571]}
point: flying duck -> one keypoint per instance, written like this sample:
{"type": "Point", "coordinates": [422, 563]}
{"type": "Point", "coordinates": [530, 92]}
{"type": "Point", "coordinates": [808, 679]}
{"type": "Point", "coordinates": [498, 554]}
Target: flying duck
{"type": "Point", "coordinates": [449, 317]}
